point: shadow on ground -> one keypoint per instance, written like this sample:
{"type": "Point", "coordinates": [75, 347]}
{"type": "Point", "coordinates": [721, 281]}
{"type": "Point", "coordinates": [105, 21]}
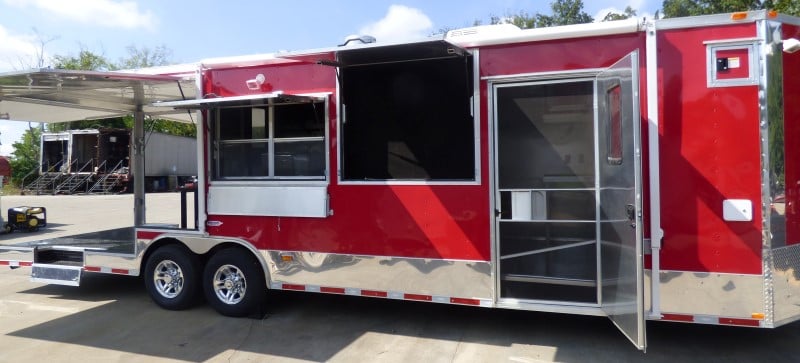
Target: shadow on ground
{"type": "Point", "coordinates": [319, 327]}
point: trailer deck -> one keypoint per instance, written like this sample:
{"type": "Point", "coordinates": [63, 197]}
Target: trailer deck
{"type": "Point", "coordinates": [61, 260]}
{"type": "Point", "coordinates": [119, 241]}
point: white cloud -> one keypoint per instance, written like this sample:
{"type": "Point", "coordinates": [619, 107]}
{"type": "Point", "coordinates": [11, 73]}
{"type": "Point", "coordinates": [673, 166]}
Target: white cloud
{"type": "Point", "coordinates": [643, 8]}
{"type": "Point", "coordinates": [108, 13]}
{"type": "Point", "coordinates": [16, 51]}
{"type": "Point", "coordinates": [11, 132]}
{"type": "Point", "coordinates": [400, 23]}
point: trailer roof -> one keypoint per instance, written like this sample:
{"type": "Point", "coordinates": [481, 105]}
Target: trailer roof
{"type": "Point", "coordinates": [52, 96]}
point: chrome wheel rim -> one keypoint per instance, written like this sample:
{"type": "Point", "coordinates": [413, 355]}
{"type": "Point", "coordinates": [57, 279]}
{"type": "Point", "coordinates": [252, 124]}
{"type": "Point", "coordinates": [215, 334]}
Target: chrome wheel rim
{"type": "Point", "coordinates": [230, 284]}
{"type": "Point", "coordinates": [168, 279]}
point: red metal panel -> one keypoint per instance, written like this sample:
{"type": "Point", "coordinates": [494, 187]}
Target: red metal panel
{"type": "Point", "coordinates": [294, 287]}
{"type": "Point", "coordinates": [417, 297]}
{"type": "Point", "coordinates": [739, 322]}
{"type": "Point", "coordinates": [147, 234]}
{"type": "Point", "coordinates": [558, 55]}
{"type": "Point", "coordinates": [738, 63]}
{"type": "Point", "coordinates": [791, 117]}
{"type": "Point", "coordinates": [463, 301]}
{"type": "Point", "coordinates": [409, 221]}
{"type": "Point", "coordinates": [289, 78]}
{"type": "Point", "coordinates": [374, 293]}
{"type": "Point", "coordinates": [710, 147]}
{"type": "Point", "coordinates": [332, 290]}
{"type": "Point", "coordinates": [426, 221]}
{"type": "Point", "coordinates": [571, 55]}
{"type": "Point", "coordinates": [678, 317]}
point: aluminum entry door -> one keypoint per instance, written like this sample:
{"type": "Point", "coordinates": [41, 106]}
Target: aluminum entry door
{"type": "Point", "coordinates": [620, 207]}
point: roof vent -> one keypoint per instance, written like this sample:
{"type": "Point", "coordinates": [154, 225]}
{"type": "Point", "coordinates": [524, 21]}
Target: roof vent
{"type": "Point", "coordinates": [363, 39]}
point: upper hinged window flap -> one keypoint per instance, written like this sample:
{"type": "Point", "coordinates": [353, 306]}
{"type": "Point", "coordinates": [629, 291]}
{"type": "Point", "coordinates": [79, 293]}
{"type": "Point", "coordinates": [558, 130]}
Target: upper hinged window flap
{"type": "Point", "coordinates": [353, 55]}
{"type": "Point", "coordinates": [264, 99]}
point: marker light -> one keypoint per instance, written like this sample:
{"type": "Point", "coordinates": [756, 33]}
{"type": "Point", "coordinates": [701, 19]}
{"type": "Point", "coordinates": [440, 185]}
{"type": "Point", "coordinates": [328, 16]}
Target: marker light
{"type": "Point", "coordinates": [739, 16]}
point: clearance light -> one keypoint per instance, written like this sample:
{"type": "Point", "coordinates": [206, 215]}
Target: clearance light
{"type": "Point", "coordinates": [759, 316]}
{"type": "Point", "coordinates": [772, 14]}
{"type": "Point", "coordinates": [739, 16]}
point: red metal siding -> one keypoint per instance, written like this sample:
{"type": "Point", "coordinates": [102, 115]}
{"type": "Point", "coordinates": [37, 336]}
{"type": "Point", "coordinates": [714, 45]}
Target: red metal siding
{"type": "Point", "coordinates": [791, 114]}
{"type": "Point", "coordinates": [572, 55]}
{"type": "Point", "coordinates": [425, 221]}
{"type": "Point", "coordinates": [710, 149]}
{"type": "Point", "coordinates": [559, 55]}
{"type": "Point", "coordinates": [407, 221]}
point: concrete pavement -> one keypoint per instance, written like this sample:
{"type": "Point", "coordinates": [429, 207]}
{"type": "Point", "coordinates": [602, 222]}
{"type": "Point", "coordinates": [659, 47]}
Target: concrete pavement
{"type": "Point", "coordinates": [111, 319]}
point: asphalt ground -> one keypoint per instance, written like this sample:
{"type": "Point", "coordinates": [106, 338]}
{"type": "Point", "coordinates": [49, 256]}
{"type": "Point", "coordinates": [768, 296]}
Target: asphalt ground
{"type": "Point", "coordinates": [111, 319]}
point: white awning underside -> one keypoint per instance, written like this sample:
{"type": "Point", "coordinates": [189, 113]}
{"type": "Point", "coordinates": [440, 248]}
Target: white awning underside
{"type": "Point", "coordinates": [52, 96]}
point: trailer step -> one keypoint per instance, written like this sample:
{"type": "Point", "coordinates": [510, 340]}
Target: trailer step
{"type": "Point", "coordinates": [62, 256]}
{"type": "Point", "coordinates": [56, 274]}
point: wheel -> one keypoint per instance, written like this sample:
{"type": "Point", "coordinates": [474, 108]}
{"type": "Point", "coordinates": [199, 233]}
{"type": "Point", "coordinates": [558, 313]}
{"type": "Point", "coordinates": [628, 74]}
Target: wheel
{"type": "Point", "coordinates": [172, 277]}
{"type": "Point", "coordinates": [233, 282]}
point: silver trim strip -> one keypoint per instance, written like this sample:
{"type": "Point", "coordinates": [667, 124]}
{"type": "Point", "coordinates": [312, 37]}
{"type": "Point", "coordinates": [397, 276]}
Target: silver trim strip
{"type": "Point", "coordinates": [551, 76]}
{"type": "Point", "coordinates": [733, 41]}
{"type": "Point", "coordinates": [654, 167]}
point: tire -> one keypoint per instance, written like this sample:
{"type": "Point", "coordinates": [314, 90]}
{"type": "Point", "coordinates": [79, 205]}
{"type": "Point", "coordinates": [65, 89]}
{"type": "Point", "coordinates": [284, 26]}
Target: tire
{"type": "Point", "coordinates": [172, 278]}
{"type": "Point", "coordinates": [234, 284]}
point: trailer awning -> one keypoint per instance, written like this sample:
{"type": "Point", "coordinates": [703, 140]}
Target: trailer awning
{"type": "Point", "coordinates": [264, 99]}
{"type": "Point", "coordinates": [52, 96]}
{"type": "Point", "coordinates": [376, 53]}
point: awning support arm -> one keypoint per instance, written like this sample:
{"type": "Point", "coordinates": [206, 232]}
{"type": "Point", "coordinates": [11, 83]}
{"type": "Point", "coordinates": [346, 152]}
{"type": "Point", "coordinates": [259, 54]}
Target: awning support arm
{"type": "Point", "coordinates": [138, 149]}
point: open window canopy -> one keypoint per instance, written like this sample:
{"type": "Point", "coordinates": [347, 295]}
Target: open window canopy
{"type": "Point", "coordinates": [264, 99]}
{"type": "Point", "coordinates": [52, 96]}
{"type": "Point", "coordinates": [354, 55]}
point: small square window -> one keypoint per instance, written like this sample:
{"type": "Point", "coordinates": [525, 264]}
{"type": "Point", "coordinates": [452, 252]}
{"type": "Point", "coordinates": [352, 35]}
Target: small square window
{"type": "Point", "coordinates": [731, 64]}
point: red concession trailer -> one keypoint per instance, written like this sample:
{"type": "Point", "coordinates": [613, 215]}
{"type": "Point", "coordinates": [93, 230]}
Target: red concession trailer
{"type": "Point", "coordinates": [638, 169]}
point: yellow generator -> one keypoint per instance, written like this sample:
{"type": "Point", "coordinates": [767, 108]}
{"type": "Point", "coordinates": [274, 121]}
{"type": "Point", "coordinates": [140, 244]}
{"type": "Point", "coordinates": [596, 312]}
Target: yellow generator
{"type": "Point", "coordinates": [26, 218]}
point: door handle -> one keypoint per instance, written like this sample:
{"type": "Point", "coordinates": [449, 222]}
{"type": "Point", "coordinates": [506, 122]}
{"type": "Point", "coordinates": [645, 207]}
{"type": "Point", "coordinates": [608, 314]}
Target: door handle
{"type": "Point", "coordinates": [630, 210]}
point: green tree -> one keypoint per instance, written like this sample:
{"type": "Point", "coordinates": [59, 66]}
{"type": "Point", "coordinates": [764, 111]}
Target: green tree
{"type": "Point", "coordinates": [567, 12]}
{"type": "Point", "coordinates": [25, 157]}
{"type": "Point", "coordinates": [627, 13]}
{"type": "Point", "coordinates": [86, 60]}
{"type": "Point", "coordinates": [145, 57]}
{"type": "Point", "coordinates": [789, 7]}
{"type": "Point", "coordinates": [137, 58]}
{"type": "Point", "coordinates": [564, 12]}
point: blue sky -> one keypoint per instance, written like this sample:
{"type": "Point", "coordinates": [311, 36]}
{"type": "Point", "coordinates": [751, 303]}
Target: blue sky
{"type": "Point", "coordinates": [199, 29]}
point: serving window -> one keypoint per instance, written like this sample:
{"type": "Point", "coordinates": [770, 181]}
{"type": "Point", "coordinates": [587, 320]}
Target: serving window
{"type": "Point", "coordinates": [407, 114]}
{"type": "Point", "coordinates": [285, 141]}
